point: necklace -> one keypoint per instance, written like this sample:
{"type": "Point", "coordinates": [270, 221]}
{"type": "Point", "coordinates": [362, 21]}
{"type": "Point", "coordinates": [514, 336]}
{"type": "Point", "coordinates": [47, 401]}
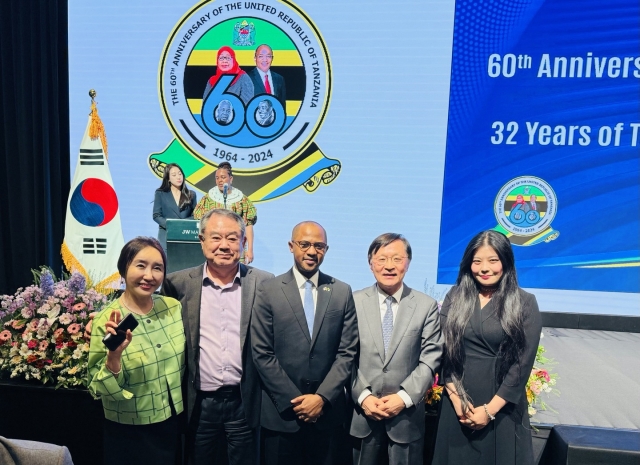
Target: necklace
{"type": "Point", "coordinates": [138, 312]}
{"type": "Point", "coordinates": [488, 291]}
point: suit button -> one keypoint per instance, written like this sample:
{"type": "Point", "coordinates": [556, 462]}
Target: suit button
{"type": "Point", "coordinates": [148, 321]}
{"type": "Point", "coordinates": [158, 345]}
{"type": "Point", "coordinates": [385, 370]}
{"type": "Point", "coordinates": [311, 356]}
{"type": "Point", "coordinates": [307, 383]}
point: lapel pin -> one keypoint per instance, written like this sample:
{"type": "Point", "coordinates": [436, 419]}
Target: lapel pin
{"type": "Point", "coordinates": [326, 288]}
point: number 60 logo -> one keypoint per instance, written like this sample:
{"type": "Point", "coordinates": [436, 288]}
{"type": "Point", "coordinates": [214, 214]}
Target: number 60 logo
{"type": "Point", "coordinates": [224, 114]}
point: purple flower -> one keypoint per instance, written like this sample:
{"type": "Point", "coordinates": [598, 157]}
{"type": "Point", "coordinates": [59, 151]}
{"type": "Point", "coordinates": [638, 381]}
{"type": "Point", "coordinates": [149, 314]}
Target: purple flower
{"type": "Point", "coordinates": [77, 283]}
{"type": "Point", "coordinates": [46, 284]}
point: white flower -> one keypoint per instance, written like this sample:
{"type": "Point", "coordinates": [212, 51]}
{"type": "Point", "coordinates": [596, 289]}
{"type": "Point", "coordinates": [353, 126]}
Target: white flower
{"type": "Point", "coordinates": [532, 411]}
{"type": "Point", "coordinates": [65, 319]}
{"type": "Point", "coordinates": [24, 350]}
{"type": "Point", "coordinates": [54, 312]}
{"type": "Point", "coordinates": [77, 353]}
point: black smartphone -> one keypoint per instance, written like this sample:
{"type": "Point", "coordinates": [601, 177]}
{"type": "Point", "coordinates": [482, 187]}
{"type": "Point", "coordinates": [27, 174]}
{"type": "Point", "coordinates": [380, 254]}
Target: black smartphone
{"type": "Point", "coordinates": [113, 341]}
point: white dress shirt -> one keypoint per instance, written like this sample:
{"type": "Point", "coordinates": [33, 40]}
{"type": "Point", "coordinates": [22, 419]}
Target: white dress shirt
{"type": "Point", "coordinates": [262, 75]}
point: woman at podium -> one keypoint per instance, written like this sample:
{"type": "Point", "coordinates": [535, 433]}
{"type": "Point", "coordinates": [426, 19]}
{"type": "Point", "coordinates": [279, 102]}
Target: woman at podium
{"type": "Point", "coordinates": [172, 201]}
{"type": "Point", "coordinates": [230, 198]}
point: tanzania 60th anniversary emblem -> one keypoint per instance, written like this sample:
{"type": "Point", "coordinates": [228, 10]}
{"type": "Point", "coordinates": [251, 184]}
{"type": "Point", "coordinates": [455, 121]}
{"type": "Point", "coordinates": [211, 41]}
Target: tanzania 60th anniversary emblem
{"type": "Point", "coordinates": [525, 207]}
{"type": "Point", "coordinates": [248, 83]}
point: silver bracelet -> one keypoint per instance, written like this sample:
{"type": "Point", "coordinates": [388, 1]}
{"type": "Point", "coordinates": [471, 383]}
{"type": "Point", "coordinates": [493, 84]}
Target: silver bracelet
{"type": "Point", "coordinates": [114, 373]}
{"type": "Point", "coordinates": [486, 410]}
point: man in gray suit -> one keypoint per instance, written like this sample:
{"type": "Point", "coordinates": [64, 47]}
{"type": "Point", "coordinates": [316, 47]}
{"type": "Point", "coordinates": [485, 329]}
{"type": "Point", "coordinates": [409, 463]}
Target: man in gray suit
{"type": "Point", "coordinates": [305, 338]}
{"type": "Point", "coordinates": [400, 350]}
{"type": "Point", "coordinates": [19, 452]}
{"type": "Point", "coordinates": [222, 387]}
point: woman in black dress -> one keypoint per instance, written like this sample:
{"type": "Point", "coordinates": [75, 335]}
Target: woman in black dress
{"type": "Point", "coordinates": [491, 331]}
{"type": "Point", "coordinates": [173, 200]}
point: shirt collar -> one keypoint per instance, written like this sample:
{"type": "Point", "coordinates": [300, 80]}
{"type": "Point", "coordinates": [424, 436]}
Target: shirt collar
{"type": "Point", "coordinates": [383, 295]}
{"type": "Point", "coordinates": [205, 277]}
{"type": "Point", "coordinates": [300, 280]}
{"type": "Point", "coordinates": [262, 73]}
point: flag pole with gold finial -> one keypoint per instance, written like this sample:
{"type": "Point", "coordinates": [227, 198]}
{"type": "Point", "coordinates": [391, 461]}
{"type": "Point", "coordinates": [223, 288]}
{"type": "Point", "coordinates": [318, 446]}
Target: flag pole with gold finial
{"type": "Point", "coordinates": [96, 128]}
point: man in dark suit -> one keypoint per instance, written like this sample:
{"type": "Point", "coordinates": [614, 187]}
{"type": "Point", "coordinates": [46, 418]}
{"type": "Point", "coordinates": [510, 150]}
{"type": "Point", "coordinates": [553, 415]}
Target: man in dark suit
{"type": "Point", "coordinates": [305, 337]}
{"type": "Point", "coordinates": [264, 80]}
{"type": "Point", "coordinates": [400, 350]}
{"type": "Point", "coordinates": [223, 393]}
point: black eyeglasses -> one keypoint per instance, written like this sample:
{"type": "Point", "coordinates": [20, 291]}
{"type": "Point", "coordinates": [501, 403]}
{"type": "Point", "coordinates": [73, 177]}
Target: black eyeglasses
{"type": "Point", "coordinates": [304, 245]}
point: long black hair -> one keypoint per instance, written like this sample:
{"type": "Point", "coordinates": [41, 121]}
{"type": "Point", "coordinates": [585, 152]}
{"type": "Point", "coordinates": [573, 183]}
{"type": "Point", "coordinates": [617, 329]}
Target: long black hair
{"type": "Point", "coordinates": [185, 194]}
{"type": "Point", "coordinates": [506, 299]}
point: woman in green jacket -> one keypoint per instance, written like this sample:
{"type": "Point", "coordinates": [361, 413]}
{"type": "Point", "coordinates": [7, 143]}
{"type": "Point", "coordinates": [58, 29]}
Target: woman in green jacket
{"type": "Point", "coordinates": [139, 382]}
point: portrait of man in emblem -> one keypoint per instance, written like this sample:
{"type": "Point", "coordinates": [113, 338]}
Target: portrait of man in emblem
{"type": "Point", "coordinates": [265, 114]}
{"type": "Point", "coordinates": [224, 112]}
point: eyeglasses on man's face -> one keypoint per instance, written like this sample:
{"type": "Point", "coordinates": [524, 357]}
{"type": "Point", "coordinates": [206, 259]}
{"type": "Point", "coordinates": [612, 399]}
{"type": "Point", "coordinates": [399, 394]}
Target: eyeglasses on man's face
{"type": "Point", "coordinates": [318, 246]}
{"type": "Point", "coordinates": [396, 260]}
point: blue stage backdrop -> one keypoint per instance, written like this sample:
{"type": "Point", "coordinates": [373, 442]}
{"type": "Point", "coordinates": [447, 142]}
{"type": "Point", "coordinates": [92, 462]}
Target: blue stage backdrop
{"type": "Point", "coordinates": [543, 140]}
{"type": "Point", "coordinates": [355, 136]}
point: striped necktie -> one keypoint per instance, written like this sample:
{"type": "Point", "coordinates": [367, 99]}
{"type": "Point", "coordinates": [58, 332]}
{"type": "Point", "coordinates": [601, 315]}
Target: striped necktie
{"type": "Point", "coordinates": [387, 324]}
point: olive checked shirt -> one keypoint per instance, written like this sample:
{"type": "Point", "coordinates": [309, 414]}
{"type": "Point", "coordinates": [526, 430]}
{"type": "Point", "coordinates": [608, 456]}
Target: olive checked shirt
{"type": "Point", "coordinates": [152, 365]}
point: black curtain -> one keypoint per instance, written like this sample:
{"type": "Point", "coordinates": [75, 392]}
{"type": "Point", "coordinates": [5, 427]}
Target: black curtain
{"type": "Point", "coordinates": [34, 137]}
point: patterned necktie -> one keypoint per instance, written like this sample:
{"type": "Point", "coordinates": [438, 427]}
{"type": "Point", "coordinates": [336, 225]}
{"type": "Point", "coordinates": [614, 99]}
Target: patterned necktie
{"type": "Point", "coordinates": [267, 87]}
{"type": "Point", "coordinates": [308, 305]}
{"type": "Point", "coordinates": [387, 324]}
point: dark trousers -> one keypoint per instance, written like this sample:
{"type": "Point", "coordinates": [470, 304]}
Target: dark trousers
{"type": "Point", "coordinates": [307, 446]}
{"type": "Point", "coordinates": [157, 443]}
{"type": "Point", "coordinates": [218, 431]}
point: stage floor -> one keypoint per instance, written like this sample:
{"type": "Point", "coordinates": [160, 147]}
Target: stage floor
{"type": "Point", "coordinates": [599, 378]}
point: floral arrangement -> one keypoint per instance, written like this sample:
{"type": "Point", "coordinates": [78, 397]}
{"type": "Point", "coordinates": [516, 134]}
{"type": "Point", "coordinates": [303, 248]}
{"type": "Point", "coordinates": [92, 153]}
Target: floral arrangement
{"type": "Point", "coordinates": [540, 381]}
{"type": "Point", "coordinates": [43, 324]}
{"type": "Point", "coordinates": [434, 394]}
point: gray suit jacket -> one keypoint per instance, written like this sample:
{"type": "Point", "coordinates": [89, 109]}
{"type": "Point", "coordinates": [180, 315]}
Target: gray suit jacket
{"type": "Point", "coordinates": [410, 364]}
{"type": "Point", "coordinates": [186, 286]}
{"type": "Point", "coordinates": [19, 452]}
{"type": "Point", "coordinates": [292, 362]}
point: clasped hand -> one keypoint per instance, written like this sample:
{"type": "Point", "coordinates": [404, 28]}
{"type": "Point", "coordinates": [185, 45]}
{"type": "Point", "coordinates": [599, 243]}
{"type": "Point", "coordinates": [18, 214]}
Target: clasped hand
{"type": "Point", "coordinates": [308, 407]}
{"type": "Point", "coordinates": [474, 418]}
{"type": "Point", "coordinates": [382, 408]}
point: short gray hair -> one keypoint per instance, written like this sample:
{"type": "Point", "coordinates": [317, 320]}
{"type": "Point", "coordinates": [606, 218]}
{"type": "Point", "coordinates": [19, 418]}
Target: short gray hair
{"type": "Point", "coordinates": [222, 212]}
{"type": "Point", "coordinates": [384, 240]}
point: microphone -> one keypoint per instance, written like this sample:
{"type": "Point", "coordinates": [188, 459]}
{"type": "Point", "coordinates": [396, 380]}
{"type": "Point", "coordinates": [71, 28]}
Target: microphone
{"type": "Point", "coordinates": [225, 188]}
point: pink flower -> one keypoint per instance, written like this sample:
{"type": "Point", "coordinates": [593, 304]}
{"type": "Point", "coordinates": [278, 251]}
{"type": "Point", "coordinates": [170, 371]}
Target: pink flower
{"type": "Point", "coordinates": [536, 387]}
{"type": "Point", "coordinates": [5, 335]}
{"type": "Point", "coordinates": [58, 332]}
{"type": "Point", "coordinates": [43, 345]}
{"type": "Point", "coordinates": [34, 324]}
{"type": "Point", "coordinates": [17, 325]}
{"type": "Point", "coordinates": [32, 344]}
{"type": "Point", "coordinates": [73, 328]}
{"type": "Point", "coordinates": [79, 306]}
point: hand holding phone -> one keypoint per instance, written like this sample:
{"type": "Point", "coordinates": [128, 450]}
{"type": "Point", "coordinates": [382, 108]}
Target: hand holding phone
{"type": "Point", "coordinates": [116, 335]}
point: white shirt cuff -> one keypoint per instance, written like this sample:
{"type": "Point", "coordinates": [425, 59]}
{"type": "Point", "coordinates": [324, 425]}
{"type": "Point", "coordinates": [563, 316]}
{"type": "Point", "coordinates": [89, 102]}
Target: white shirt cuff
{"type": "Point", "coordinates": [405, 397]}
{"type": "Point", "coordinates": [366, 393]}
